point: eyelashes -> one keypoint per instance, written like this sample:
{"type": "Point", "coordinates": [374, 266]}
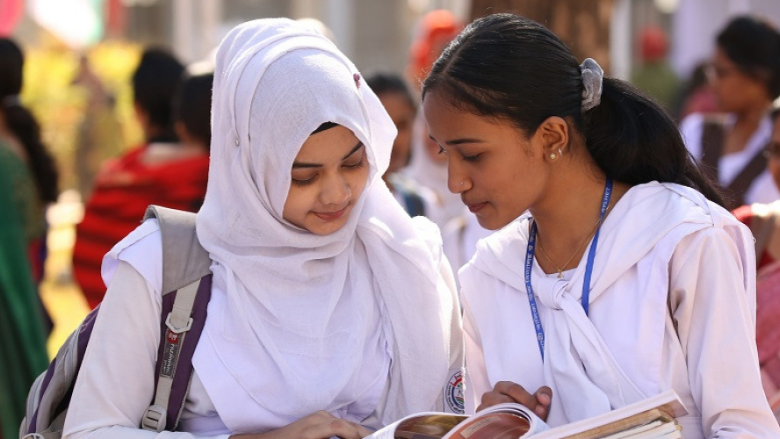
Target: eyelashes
{"type": "Point", "coordinates": [313, 178]}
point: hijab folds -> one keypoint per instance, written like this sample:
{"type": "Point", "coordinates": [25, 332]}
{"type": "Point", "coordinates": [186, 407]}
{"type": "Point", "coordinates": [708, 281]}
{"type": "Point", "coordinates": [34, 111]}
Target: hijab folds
{"type": "Point", "coordinates": [295, 315]}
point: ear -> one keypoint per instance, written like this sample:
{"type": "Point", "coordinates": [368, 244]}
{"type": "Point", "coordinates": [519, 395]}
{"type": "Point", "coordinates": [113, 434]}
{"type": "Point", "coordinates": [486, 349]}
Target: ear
{"type": "Point", "coordinates": [553, 137]}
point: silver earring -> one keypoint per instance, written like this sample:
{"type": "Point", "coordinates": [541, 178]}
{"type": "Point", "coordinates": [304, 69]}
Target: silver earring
{"type": "Point", "coordinates": [560, 152]}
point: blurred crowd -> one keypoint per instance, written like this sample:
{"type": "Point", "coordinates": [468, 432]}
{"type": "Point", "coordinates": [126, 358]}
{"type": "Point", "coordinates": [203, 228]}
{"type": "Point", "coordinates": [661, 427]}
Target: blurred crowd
{"type": "Point", "coordinates": [725, 111]}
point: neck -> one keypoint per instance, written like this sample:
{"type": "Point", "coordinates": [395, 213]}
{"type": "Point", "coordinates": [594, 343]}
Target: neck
{"type": "Point", "coordinates": [567, 216]}
{"type": "Point", "coordinates": [750, 118]}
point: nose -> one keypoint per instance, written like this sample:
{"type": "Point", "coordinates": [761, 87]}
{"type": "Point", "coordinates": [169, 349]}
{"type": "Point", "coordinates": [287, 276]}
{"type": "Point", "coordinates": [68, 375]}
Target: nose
{"type": "Point", "coordinates": [457, 178]}
{"type": "Point", "coordinates": [335, 191]}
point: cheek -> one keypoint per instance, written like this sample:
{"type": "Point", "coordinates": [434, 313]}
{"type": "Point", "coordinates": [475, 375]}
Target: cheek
{"type": "Point", "coordinates": [297, 204]}
{"type": "Point", "coordinates": [357, 182]}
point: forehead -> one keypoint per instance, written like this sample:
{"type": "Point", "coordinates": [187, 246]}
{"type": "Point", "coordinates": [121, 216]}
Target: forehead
{"type": "Point", "coordinates": [327, 146]}
{"type": "Point", "coordinates": [446, 120]}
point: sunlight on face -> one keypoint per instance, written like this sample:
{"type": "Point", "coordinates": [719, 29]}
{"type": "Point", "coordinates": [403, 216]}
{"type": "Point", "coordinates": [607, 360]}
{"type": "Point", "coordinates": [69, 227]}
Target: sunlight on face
{"type": "Point", "coordinates": [491, 164]}
{"type": "Point", "coordinates": [328, 175]}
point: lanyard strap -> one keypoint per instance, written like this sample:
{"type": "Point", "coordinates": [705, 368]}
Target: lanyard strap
{"type": "Point", "coordinates": [529, 260]}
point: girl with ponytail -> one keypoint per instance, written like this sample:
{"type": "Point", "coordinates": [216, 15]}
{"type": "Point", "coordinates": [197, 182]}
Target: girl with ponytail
{"type": "Point", "coordinates": [615, 268]}
{"type": "Point", "coordinates": [28, 180]}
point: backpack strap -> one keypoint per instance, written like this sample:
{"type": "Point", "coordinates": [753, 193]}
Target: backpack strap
{"type": "Point", "coordinates": [712, 146]}
{"type": "Point", "coordinates": [745, 178]}
{"type": "Point", "coordinates": [187, 291]}
{"type": "Point", "coordinates": [712, 141]}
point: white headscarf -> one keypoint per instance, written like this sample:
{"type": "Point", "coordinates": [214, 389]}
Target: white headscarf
{"type": "Point", "coordinates": [291, 294]}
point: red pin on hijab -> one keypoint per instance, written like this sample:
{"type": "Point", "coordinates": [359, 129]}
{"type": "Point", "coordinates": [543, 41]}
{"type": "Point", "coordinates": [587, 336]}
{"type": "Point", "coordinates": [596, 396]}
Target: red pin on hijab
{"type": "Point", "coordinates": [356, 77]}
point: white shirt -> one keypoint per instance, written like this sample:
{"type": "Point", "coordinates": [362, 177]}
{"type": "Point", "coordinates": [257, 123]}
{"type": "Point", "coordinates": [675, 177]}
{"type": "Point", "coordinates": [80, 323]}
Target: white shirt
{"type": "Point", "coordinates": [763, 188]}
{"type": "Point", "coordinates": [116, 379]}
{"type": "Point", "coordinates": [696, 337]}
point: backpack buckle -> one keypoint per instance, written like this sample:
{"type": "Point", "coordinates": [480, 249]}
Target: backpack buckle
{"type": "Point", "coordinates": [154, 418]}
{"type": "Point", "coordinates": [174, 329]}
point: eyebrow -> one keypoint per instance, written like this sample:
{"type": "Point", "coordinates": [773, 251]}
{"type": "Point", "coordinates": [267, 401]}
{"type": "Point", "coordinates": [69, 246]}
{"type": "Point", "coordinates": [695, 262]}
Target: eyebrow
{"type": "Point", "coordinates": [299, 165]}
{"type": "Point", "coordinates": [459, 141]}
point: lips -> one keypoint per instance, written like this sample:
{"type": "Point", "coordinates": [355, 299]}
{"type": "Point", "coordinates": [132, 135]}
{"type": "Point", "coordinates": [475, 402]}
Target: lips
{"type": "Point", "coordinates": [474, 208]}
{"type": "Point", "coordinates": [331, 216]}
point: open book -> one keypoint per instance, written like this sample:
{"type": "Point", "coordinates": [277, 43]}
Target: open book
{"type": "Point", "coordinates": [653, 417]}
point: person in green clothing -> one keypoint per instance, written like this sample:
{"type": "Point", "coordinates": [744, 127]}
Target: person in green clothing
{"type": "Point", "coordinates": [28, 180]}
{"type": "Point", "coordinates": [655, 77]}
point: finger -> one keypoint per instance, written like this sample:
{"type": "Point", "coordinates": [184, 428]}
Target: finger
{"type": "Point", "coordinates": [362, 431]}
{"type": "Point", "coordinates": [492, 398]}
{"type": "Point", "coordinates": [517, 393]}
{"type": "Point", "coordinates": [543, 397]}
{"type": "Point", "coordinates": [344, 430]}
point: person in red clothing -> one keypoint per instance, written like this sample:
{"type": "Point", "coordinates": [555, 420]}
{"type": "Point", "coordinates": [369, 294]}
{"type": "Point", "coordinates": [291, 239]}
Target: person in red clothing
{"type": "Point", "coordinates": [764, 219]}
{"type": "Point", "coordinates": [164, 172]}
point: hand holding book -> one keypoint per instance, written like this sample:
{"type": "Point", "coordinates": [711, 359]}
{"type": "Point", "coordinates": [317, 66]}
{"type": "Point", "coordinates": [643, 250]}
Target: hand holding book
{"type": "Point", "coordinates": [507, 391]}
{"type": "Point", "coordinates": [653, 417]}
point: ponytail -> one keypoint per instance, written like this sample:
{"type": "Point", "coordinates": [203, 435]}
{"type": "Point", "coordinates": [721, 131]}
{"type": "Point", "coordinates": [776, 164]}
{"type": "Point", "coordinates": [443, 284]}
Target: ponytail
{"type": "Point", "coordinates": [633, 140]}
{"type": "Point", "coordinates": [24, 126]}
{"type": "Point", "coordinates": [508, 67]}
{"type": "Point", "coordinates": [22, 123]}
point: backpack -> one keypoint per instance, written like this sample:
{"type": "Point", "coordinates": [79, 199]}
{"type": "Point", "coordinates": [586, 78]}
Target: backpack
{"type": "Point", "coordinates": [187, 280]}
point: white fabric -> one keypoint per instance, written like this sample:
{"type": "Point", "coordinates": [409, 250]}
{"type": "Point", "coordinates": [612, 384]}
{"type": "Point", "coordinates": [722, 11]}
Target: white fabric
{"type": "Point", "coordinates": [431, 175]}
{"type": "Point", "coordinates": [763, 188]}
{"type": "Point", "coordinates": [110, 396]}
{"type": "Point", "coordinates": [296, 294]}
{"type": "Point", "coordinates": [460, 238]}
{"type": "Point", "coordinates": [297, 322]}
{"type": "Point", "coordinates": [662, 246]}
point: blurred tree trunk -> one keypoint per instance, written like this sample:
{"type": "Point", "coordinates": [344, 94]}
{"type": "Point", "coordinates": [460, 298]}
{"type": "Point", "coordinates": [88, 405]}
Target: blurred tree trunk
{"type": "Point", "coordinates": [582, 24]}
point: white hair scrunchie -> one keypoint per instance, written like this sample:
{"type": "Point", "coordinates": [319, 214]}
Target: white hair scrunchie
{"type": "Point", "coordinates": [592, 78]}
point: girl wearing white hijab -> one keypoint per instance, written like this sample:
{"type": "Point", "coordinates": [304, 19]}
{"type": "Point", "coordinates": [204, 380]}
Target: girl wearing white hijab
{"type": "Point", "coordinates": [626, 279]}
{"type": "Point", "coordinates": [328, 301]}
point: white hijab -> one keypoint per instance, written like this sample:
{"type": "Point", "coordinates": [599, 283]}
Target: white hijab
{"type": "Point", "coordinates": [289, 294]}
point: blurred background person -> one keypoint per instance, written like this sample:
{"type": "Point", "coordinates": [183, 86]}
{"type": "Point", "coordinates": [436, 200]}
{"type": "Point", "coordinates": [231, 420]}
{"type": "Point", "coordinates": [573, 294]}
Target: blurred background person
{"type": "Point", "coordinates": [99, 133]}
{"type": "Point", "coordinates": [764, 223]}
{"type": "Point", "coordinates": [654, 75]}
{"type": "Point", "coordinates": [164, 171]}
{"type": "Point", "coordinates": [764, 218]}
{"type": "Point", "coordinates": [745, 76]}
{"type": "Point", "coordinates": [28, 182]}
{"type": "Point", "coordinates": [696, 95]}
{"type": "Point", "coordinates": [436, 29]}
{"type": "Point", "coordinates": [395, 96]}
{"type": "Point", "coordinates": [427, 167]}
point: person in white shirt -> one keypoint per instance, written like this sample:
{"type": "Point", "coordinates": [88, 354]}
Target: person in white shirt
{"type": "Point", "coordinates": [332, 312]}
{"type": "Point", "coordinates": [626, 278]}
{"type": "Point", "coordinates": [745, 75]}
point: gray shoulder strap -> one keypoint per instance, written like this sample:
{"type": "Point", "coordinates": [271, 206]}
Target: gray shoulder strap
{"type": "Point", "coordinates": [184, 259]}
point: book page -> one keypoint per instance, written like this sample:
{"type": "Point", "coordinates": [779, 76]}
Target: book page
{"type": "Point", "coordinates": [502, 421]}
{"type": "Point", "coordinates": [665, 407]}
{"type": "Point", "coordinates": [420, 426]}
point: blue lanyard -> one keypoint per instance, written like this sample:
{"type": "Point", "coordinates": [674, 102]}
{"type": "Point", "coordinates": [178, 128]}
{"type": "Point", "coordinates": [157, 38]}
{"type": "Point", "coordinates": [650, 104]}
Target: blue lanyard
{"type": "Point", "coordinates": [529, 260]}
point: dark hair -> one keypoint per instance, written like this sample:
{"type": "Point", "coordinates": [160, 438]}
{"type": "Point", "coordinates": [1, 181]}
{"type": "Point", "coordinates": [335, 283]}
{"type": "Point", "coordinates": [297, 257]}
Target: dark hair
{"type": "Point", "coordinates": [754, 46]}
{"type": "Point", "coordinates": [22, 123]}
{"type": "Point", "coordinates": [154, 82]}
{"type": "Point", "coordinates": [390, 83]}
{"type": "Point", "coordinates": [511, 68]}
{"type": "Point", "coordinates": [324, 127]}
{"type": "Point", "coordinates": [192, 106]}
